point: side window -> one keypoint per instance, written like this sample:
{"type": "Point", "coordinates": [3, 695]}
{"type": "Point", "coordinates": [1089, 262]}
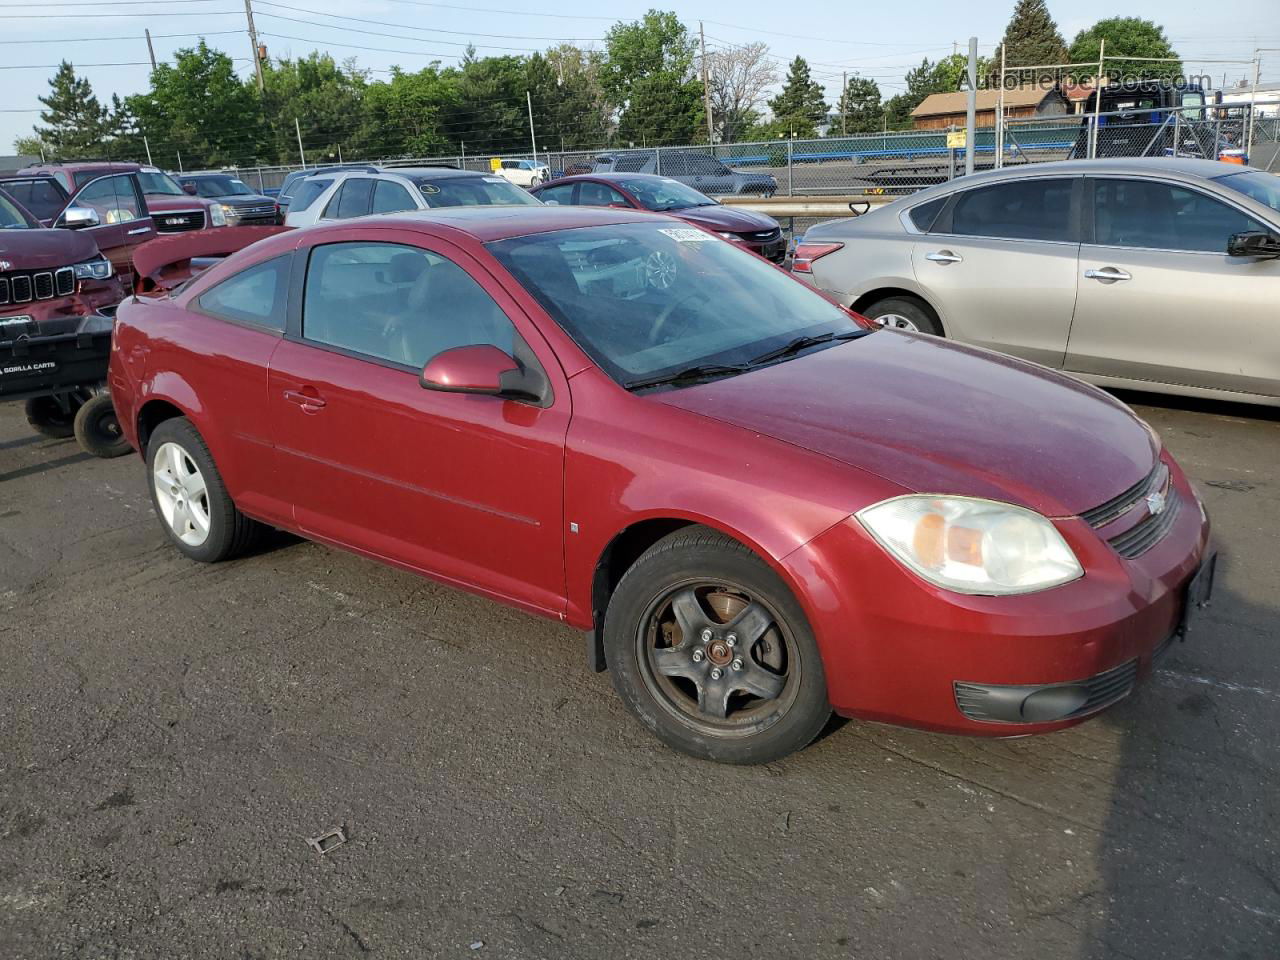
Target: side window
{"type": "Point", "coordinates": [306, 193]}
{"type": "Point", "coordinates": [675, 165]}
{"type": "Point", "coordinates": [592, 194]}
{"type": "Point", "coordinates": [1033, 209]}
{"type": "Point", "coordinates": [924, 215]}
{"type": "Point", "coordinates": [397, 303]}
{"type": "Point", "coordinates": [707, 166]}
{"type": "Point", "coordinates": [1162, 216]}
{"type": "Point", "coordinates": [114, 199]}
{"type": "Point", "coordinates": [256, 295]}
{"type": "Point", "coordinates": [388, 197]}
{"type": "Point", "coordinates": [560, 194]}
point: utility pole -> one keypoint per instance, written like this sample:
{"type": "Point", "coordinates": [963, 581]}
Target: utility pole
{"type": "Point", "coordinates": [298, 130]}
{"type": "Point", "coordinates": [706, 89]}
{"type": "Point", "coordinates": [1253, 103]}
{"type": "Point", "coordinates": [253, 39]}
{"type": "Point", "coordinates": [533, 139]}
{"type": "Point", "coordinates": [1098, 84]}
{"type": "Point", "coordinates": [971, 107]}
{"type": "Point", "coordinates": [844, 96]}
{"type": "Point", "coordinates": [151, 50]}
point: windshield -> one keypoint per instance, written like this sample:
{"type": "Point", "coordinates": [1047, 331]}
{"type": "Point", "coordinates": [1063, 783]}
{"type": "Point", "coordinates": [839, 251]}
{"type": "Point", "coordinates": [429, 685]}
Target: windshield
{"type": "Point", "coordinates": [12, 217]}
{"type": "Point", "coordinates": [155, 183]}
{"type": "Point", "coordinates": [1259, 186]}
{"type": "Point", "coordinates": [472, 192]}
{"type": "Point", "coordinates": [649, 299]}
{"type": "Point", "coordinates": [219, 187]}
{"type": "Point", "coordinates": [660, 193]}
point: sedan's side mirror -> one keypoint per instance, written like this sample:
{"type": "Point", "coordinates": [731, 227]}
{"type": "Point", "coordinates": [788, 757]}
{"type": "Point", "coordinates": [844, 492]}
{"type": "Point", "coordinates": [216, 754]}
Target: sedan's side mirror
{"type": "Point", "coordinates": [1254, 243]}
{"type": "Point", "coordinates": [77, 218]}
{"type": "Point", "coordinates": [484, 369]}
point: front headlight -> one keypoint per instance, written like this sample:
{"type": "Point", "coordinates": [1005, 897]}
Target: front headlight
{"type": "Point", "coordinates": [93, 270]}
{"type": "Point", "coordinates": [728, 236]}
{"type": "Point", "coordinates": [218, 215]}
{"type": "Point", "coordinates": [973, 546]}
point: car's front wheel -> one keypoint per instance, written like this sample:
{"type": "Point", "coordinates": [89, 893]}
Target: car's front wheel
{"type": "Point", "coordinates": [190, 498]}
{"type": "Point", "coordinates": [710, 650]}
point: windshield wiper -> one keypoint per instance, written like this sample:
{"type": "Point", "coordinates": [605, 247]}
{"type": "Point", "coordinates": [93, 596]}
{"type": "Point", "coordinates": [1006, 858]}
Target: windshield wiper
{"type": "Point", "coordinates": [701, 371]}
{"type": "Point", "coordinates": [792, 347]}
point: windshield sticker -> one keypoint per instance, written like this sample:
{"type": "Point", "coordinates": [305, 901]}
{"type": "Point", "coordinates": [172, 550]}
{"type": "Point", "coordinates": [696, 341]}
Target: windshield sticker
{"type": "Point", "coordinates": [686, 235]}
{"type": "Point", "coordinates": [429, 188]}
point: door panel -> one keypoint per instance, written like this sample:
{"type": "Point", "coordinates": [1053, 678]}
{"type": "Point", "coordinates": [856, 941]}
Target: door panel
{"type": "Point", "coordinates": [124, 220]}
{"type": "Point", "coordinates": [1191, 316]}
{"type": "Point", "coordinates": [468, 488]}
{"type": "Point", "coordinates": [1001, 266]}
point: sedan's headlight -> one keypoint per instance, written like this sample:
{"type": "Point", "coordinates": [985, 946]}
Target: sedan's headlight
{"type": "Point", "coordinates": [973, 546]}
{"type": "Point", "coordinates": [218, 215]}
{"type": "Point", "coordinates": [93, 270]}
{"type": "Point", "coordinates": [729, 236]}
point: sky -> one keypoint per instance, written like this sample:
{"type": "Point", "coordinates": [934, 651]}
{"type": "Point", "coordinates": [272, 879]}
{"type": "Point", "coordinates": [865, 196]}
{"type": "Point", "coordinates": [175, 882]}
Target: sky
{"type": "Point", "coordinates": [879, 40]}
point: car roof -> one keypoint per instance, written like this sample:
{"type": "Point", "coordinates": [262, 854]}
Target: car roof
{"type": "Point", "coordinates": [1176, 166]}
{"type": "Point", "coordinates": [114, 165]}
{"type": "Point", "coordinates": [488, 222]}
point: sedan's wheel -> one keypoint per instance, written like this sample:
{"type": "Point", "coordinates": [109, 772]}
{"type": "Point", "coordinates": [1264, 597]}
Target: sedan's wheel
{"type": "Point", "coordinates": [711, 651]}
{"type": "Point", "coordinates": [903, 313]}
{"type": "Point", "coordinates": [660, 270]}
{"type": "Point", "coordinates": [190, 497]}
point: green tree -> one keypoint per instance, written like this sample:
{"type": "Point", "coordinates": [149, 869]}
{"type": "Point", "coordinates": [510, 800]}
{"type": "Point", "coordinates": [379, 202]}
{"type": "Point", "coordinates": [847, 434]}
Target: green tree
{"type": "Point", "coordinates": [325, 98]}
{"type": "Point", "coordinates": [28, 146]}
{"type": "Point", "coordinates": [941, 76]}
{"type": "Point", "coordinates": [403, 117]}
{"type": "Point", "coordinates": [649, 75]}
{"type": "Point", "coordinates": [1031, 38]}
{"type": "Point", "coordinates": [859, 107]}
{"type": "Point", "coordinates": [1127, 37]}
{"type": "Point", "coordinates": [802, 103]}
{"type": "Point", "coordinates": [490, 115]}
{"type": "Point", "coordinates": [570, 111]}
{"type": "Point", "coordinates": [199, 107]}
{"type": "Point", "coordinates": [76, 125]}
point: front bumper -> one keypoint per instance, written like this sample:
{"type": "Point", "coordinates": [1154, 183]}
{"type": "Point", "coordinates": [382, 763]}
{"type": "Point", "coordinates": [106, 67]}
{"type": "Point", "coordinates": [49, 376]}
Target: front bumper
{"type": "Point", "coordinates": [774, 251]}
{"type": "Point", "coordinates": [898, 649]}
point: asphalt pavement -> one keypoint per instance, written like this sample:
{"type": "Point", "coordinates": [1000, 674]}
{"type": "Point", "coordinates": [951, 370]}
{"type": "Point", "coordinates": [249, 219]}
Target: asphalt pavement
{"type": "Point", "coordinates": [171, 735]}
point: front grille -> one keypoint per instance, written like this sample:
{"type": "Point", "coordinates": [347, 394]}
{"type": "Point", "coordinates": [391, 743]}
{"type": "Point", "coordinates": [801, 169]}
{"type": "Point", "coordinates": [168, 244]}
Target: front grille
{"type": "Point", "coordinates": [764, 236]}
{"type": "Point", "coordinates": [40, 285]}
{"type": "Point", "coordinates": [256, 210]}
{"type": "Point", "coordinates": [1144, 535]}
{"type": "Point", "coordinates": [1116, 507]}
{"type": "Point", "coordinates": [179, 222]}
{"type": "Point", "coordinates": [1107, 688]}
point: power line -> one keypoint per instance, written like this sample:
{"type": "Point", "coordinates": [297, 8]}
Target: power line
{"type": "Point", "coordinates": [405, 26]}
{"type": "Point", "coordinates": [394, 36]}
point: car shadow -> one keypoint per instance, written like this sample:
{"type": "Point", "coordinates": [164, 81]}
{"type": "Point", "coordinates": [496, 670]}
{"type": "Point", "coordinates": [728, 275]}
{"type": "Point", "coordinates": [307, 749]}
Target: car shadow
{"type": "Point", "coordinates": [1221, 408]}
{"type": "Point", "coordinates": [45, 466]}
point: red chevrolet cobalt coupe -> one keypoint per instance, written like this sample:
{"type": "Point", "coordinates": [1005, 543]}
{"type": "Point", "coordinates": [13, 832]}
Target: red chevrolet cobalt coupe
{"type": "Point", "coordinates": [757, 508]}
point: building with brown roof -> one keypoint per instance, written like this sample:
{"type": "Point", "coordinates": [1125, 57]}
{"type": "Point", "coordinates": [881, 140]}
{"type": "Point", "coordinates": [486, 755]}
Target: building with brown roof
{"type": "Point", "coordinates": [941, 110]}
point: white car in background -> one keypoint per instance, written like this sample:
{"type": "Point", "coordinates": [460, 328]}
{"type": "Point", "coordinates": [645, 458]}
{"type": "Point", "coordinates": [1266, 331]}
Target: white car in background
{"type": "Point", "coordinates": [524, 173]}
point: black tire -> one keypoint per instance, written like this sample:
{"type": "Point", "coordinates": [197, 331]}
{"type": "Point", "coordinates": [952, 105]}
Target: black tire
{"type": "Point", "coordinates": [98, 430]}
{"type": "Point", "coordinates": [47, 417]}
{"type": "Point", "coordinates": [917, 312]}
{"type": "Point", "coordinates": [639, 633]}
{"type": "Point", "coordinates": [229, 532]}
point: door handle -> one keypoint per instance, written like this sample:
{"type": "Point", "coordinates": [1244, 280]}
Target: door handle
{"type": "Point", "coordinates": [943, 256]}
{"type": "Point", "coordinates": [134, 233]}
{"type": "Point", "coordinates": [1107, 275]}
{"type": "Point", "coordinates": [305, 400]}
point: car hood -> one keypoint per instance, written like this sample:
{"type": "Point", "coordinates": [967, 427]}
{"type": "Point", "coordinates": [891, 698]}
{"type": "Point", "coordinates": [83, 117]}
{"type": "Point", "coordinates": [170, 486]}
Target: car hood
{"type": "Point", "coordinates": [729, 219]}
{"type": "Point", "coordinates": [167, 203]}
{"type": "Point", "coordinates": [44, 249]}
{"type": "Point", "coordinates": [937, 417]}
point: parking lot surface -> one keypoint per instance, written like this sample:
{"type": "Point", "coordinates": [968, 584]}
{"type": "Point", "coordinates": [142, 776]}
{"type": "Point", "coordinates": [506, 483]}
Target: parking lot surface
{"type": "Point", "coordinates": [172, 734]}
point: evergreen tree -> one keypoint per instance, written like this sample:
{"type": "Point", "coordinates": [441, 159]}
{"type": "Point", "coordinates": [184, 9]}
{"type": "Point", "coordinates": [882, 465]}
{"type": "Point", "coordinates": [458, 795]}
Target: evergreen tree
{"type": "Point", "coordinates": [649, 75]}
{"type": "Point", "coordinates": [1031, 38]}
{"type": "Point", "coordinates": [802, 104]}
{"type": "Point", "coordinates": [75, 122]}
{"type": "Point", "coordinates": [1127, 37]}
{"type": "Point", "coordinates": [859, 107]}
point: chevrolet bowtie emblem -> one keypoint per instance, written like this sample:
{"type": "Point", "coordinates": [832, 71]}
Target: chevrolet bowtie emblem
{"type": "Point", "coordinates": [1156, 503]}
{"type": "Point", "coordinates": [5, 265]}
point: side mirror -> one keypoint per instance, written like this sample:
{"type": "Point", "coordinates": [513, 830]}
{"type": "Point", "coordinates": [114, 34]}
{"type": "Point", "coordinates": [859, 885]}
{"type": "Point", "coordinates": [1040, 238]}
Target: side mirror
{"type": "Point", "coordinates": [189, 188]}
{"type": "Point", "coordinates": [1254, 243]}
{"type": "Point", "coordinates": [77, 218]}
{"type": "Point", "coordinates": [621, 206]}
{"type": "Point", "coordinates": [486, 370]}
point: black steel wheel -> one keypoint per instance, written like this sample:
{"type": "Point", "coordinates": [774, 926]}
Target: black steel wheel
{"type": "Point", "coordinates": [711, 651]}
{"type": "Point", "coordinates": [53, 417]}
{"type": "Point", "coordinates": [98, 429]}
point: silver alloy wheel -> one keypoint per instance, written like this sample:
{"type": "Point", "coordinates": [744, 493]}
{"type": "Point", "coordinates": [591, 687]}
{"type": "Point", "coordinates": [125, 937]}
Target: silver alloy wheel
{"type": "Point", "coordinates": [181, 494]}
{"type": "Point", "coordinates": [660, 269]}
{"type": "Point", "coordinates": [898, 322]}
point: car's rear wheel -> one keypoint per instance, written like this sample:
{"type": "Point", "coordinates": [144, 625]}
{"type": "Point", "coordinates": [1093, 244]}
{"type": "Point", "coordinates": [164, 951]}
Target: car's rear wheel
{"type": "Point", "coordinates": [98, 429]}
{"type": "Point", "coordinates": [710, 650]}
{"type": "Point", "coordinates": [49, 418]}
{"type": "Point", "coordinates": [190, 498]}
{"type": "Point", "coordinates": [904, 313]}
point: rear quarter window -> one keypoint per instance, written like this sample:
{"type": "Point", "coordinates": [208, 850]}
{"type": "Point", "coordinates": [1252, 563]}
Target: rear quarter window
{"type": "Point", "coordinates": [925, 214]}
{"type": "Point", "coordinates": [307, 192]}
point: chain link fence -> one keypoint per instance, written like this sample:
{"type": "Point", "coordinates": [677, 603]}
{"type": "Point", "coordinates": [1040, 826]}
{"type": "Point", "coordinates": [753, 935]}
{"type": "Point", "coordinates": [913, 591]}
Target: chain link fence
{"type": "Point", "coordinates": [896, 163]}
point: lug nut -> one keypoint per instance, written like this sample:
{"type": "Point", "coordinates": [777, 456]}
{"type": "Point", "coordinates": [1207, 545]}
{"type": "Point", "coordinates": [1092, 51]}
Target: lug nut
{"type": "Point", "coordinates": [737, 664]}
{"type": "Point", "coordinates": [715, 673]}
{"type": "Point", "coordinates": [706, 636]}
{"type": "Point", "coordinates": [697, 656]}
{"type": "Point", "coordinates": [731, 639]}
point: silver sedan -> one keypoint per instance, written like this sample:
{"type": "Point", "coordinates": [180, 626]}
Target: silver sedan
{"type": "Point", "coordinates": [1155, 274]}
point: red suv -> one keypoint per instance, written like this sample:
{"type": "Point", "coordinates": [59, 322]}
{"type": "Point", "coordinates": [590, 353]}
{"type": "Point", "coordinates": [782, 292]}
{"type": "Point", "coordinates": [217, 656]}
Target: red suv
{"type": "Point", "coordinates": [174, 209]}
